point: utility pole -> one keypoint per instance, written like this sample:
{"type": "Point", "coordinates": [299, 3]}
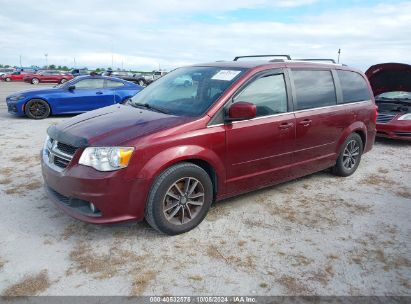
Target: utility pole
{"type": "Point", "coordinates": [20, 61]}
{"type": "Point", "coordinates": [112, 60]}
{"type": "Point", "coordinates": [339, 53]}
{"type": "Point", "coordinates": [46, 55]}
{"type": "Point", "coordinates": [74, 60]}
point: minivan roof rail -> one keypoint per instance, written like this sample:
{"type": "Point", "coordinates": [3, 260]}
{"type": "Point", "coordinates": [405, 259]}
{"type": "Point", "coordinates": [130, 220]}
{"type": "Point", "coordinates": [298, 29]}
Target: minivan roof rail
{"type": "Point", "coordinates": [259, 56]}
{"type": "Point", "coordinates": [319, 59]}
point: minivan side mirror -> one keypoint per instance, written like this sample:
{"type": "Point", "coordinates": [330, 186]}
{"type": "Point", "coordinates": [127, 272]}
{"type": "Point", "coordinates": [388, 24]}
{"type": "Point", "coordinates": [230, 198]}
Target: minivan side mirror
{"type": "Point", "coordinates": [71, 88]}
{"type": "Point", "coordinates": [241, 110]}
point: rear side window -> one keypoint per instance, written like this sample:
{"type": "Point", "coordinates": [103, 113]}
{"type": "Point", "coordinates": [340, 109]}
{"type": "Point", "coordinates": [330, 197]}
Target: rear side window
{"type": "Point", "coordinates": [113, 84]}
{"type": "Point", "coordinates": [267, 93]}
{"type": "Point", "coordinates": [353, 86]}
{"type": "Point", "coordinates": [314, 89]}
{"type": "Point", "coordinates": [90, 84]}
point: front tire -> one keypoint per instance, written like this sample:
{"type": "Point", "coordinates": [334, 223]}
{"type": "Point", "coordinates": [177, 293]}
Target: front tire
{"type": "Point", "coordinates": [35, 81]}
{"type": "Point", "coordinates": [37, 109]}
{"type": "Point", "coordinates": [141, 82]}
{"type": "Point", "coordinates": [7, 79]}
{"type": "Point", "coordinates": [350, 156]}
{"type": "Point", "coordinates": [179, 199]}
{"type": "Point", "coordinates": [63, 80]}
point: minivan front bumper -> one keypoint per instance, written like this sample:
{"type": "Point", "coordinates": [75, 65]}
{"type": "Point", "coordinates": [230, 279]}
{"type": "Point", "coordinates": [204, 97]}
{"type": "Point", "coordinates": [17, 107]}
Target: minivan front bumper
{"type": "Point", "coordinates": [115, 198]}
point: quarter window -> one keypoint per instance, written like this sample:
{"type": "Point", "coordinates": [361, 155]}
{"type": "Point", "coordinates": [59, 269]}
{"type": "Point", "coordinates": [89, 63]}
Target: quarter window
{"type": "Point", "coordinates": [313, 89]}
{"type": "Point", "coordinates": [353, 86]}
{"type": "Point", "coordinates": [90, 84]}
{"type": "Point", "coordinates": [268, 93]}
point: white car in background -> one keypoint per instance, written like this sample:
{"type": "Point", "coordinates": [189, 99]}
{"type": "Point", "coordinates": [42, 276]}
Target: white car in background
{"type": "Point", "coordinates": [4, 71]}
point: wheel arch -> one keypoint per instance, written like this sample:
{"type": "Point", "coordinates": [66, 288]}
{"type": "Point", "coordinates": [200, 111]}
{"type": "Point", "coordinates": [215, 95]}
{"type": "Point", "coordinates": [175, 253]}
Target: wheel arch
{"type": "Point", "coordinates": [357, 127]}
{"type": "Point", "coordinates": [204, 158]}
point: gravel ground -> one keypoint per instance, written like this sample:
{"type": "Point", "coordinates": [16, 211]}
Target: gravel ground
{"type": "Point", "coordinates": [318, 235]}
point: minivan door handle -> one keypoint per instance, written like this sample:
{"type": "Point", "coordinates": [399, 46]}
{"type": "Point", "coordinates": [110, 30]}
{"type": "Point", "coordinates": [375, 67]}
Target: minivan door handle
{"type": "Point", "coordinates": [285, 125]}
{"type": "Point", "coordinates": [99, 93]}
{"type": "Point", "coordinates": [305, 122]}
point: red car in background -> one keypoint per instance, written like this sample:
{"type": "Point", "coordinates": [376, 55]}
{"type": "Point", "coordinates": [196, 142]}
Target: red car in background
{"type": "Point", "coordinates": [391, 84]}
{"type": "Point", "coordinates": [48, 76]}
{"type": "Point", "coordinates": [15, 76]}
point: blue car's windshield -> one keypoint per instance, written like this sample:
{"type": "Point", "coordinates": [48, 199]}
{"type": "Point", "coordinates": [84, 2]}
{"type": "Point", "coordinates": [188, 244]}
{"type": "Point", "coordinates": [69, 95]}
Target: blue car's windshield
{"type": "Point", "coordinates": [186, 91]}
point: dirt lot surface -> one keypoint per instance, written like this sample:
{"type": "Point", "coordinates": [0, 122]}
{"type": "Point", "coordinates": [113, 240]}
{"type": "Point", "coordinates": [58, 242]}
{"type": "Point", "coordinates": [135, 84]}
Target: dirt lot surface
{"type": "Point", "coordinates": [319, 235]}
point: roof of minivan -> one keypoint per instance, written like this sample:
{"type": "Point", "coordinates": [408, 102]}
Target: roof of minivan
{"type": "Point", "coordinates": [249, 64]}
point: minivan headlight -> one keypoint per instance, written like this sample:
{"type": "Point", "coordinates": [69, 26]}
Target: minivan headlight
{"type": "Point", "coordinates": [106, 158]}
{"type": "Point", "coordinates": [405, 117]}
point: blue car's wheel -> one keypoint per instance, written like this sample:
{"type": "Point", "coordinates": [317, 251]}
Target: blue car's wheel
{"type": "Point", "coordinates": [37, 109]}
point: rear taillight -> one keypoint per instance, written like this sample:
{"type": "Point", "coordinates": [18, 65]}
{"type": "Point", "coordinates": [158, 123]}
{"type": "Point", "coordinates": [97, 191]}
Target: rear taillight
{"type": "Point", "coordinates": [375, 114]}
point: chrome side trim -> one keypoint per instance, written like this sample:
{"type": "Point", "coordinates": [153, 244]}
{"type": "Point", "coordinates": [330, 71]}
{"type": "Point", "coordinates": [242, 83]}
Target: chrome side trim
{"type": "Point", "coordinates": [334, 106]}
{"type": "Point", "coordinates": [294, 112]}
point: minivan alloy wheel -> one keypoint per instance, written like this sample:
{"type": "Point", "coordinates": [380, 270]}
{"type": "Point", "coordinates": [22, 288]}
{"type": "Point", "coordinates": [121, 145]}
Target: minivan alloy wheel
{"type": "Point", "coordinates": [351, 154]}
{"type": "Point", "coordinates": [183, 200]}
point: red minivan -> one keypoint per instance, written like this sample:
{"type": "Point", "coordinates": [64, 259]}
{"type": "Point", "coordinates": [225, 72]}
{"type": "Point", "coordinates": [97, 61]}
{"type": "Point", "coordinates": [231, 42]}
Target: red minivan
{"type": "Point", "coordinates": [204, 133]}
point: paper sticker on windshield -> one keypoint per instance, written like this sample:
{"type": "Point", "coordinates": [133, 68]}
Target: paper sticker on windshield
{"type": "Point", "coordinates": [226, 75]}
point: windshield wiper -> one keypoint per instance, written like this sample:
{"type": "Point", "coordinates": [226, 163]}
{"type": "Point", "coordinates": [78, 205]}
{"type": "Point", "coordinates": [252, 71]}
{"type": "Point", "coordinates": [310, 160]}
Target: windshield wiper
{"type": "Point", "coordinates": [150, 107]}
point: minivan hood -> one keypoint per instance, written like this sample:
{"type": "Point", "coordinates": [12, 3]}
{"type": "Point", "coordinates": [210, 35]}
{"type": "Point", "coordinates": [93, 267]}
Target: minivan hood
{"type": "Point", "coordinates": [112, 126]}
{"type": "Point", "coordinates": [389, 77]}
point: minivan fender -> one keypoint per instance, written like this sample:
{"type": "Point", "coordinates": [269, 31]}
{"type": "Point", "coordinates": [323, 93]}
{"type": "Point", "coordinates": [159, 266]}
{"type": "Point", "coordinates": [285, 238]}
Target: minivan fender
{"type": "Point", "coordinates": [171, 156]}
{"type": "Point", "coordinates": [356, 127]}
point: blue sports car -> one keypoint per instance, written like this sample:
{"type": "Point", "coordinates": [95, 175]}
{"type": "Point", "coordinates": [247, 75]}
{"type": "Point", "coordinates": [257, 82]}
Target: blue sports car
{"type": "Point", "coordinates": [81, 94]}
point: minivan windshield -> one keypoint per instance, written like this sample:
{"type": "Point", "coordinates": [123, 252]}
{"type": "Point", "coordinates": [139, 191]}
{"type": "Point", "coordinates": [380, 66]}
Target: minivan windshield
{"type": "Point", "coordinates": [187, 91]}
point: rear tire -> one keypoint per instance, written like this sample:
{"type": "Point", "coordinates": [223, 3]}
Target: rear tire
{"type": "Point", "coordinates": [63, 80]}
{"type": "Point", "coordinates": [7, 79]}
{"type": "Point", "coordinates": [179, 199]}
{"type": "Point", "coordinates": [141, 82]}
{"type": "Point", "coordinates": [37, 109]}
{"type": "Point", "coordinates": [35, 81]}
{"type": "Point", "coordinates": [350, 156]}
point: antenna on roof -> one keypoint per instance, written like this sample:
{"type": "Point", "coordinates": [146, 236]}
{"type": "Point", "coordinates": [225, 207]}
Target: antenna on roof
{"type": "Point", "coordinates": [339, 52]}
{"type": "Point", "coordinates": [258, 56]}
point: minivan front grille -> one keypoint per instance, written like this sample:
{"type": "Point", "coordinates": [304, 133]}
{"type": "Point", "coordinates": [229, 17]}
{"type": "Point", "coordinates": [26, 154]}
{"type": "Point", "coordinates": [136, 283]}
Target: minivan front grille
{"type": "Point", "coordinates": [385, 118]}
{"type": "Point", "coordinates": [58, 155]}
{"type": "Point", "coordinates": [70, 150]}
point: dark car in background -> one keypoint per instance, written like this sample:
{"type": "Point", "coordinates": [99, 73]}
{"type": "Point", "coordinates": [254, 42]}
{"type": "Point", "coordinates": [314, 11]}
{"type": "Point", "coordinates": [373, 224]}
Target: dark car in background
{"type": "Point", "coordinates": [391, 84]}
{"type": "Point", "coordinates": [48, 76]}
{"type": "Point", "coordinates": [129, 76]}
{"type": "Point", "coordinates": [79, 72]}
{"type": "Point", "coordinates": [81, 94]}
{"type": "Point", "coordinates": [234, 127]}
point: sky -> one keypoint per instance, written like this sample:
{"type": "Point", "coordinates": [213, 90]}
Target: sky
{"type": "Point", "coordinates": [149, 34]}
